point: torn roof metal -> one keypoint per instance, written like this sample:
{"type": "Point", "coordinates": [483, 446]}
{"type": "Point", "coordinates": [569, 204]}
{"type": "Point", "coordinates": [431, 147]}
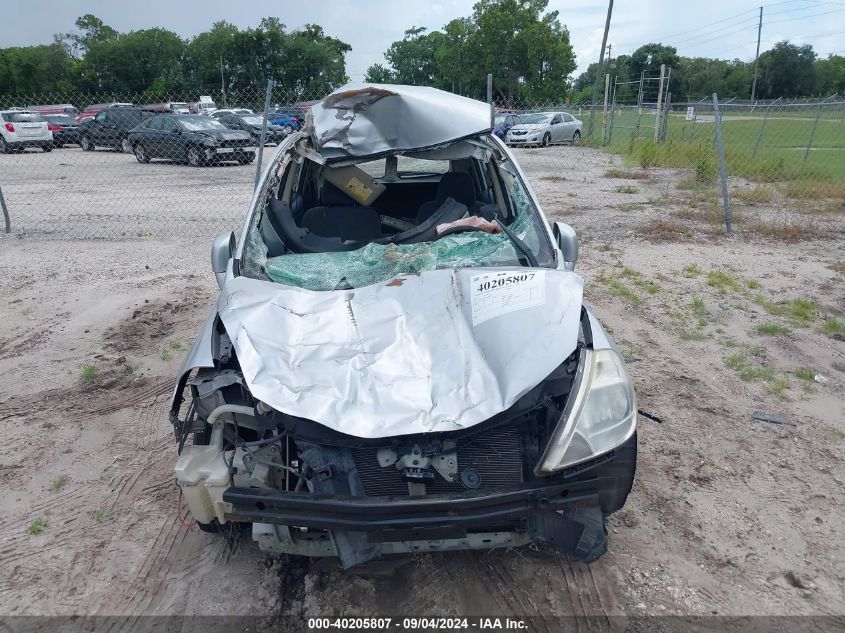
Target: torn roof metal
{"type": "Point", "coordinates": [360, 120]}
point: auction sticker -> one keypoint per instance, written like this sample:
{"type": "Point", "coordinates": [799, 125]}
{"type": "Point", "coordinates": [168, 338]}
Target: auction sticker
{"type": "Point", "coordinates": [493, 294]}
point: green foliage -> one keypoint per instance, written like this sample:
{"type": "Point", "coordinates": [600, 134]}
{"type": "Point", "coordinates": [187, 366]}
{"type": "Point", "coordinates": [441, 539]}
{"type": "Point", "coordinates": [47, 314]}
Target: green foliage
{"type": "Point", "coordinates": [37, 526]}
{"type": "Point", "coordinates": [89, 372]}
{"type": "Point", "coordinates": [773, 329]}
{"type": "Point", "coordinates": [157, 62]}
{"type": "Point", "coordinates": [805, 373]}
{"type": "Point", "coordinates": [527, 50]}
{"type": "Point", "coordinates": [833, 325]}
{"type": "Point", "coordinates": [59, 482]}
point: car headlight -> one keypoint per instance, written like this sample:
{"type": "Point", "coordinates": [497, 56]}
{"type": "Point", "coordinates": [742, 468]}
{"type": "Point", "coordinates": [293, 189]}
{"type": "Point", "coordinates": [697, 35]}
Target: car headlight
{"type": "Point", "coordinates": [600, 414]}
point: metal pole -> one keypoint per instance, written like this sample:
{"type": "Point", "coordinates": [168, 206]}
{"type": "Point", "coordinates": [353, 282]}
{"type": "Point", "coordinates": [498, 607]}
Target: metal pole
{"type": "Point", "coordinates": [604, 111]}
{"type": "Point", "coordinates": [813, 131]}
{"type": "Point", "coordinates": [762, 128]}
{"type": "Point", "coordinates": [592, 123]}
{"type": "Point", "coordinates": [665, 120]}
{"type": "Point", "coordinates": [612, 111]}
{"type": "Point", "coordinates": [5, 212]}
{"type": "Point", "coordinates": [723, 174]}
{"type": "Point", "coordinates": [490, 99]}
{"type": "Point", "coordinates": [640, 92]}
{"type": "Point", "coordinates": [267, 97]}
{"type": "Point", "coordinates": [659, 102]}
{"type": "Point", "coordinates": [757, 55]}
{"type": "Point", "coordinates": [222, 83]}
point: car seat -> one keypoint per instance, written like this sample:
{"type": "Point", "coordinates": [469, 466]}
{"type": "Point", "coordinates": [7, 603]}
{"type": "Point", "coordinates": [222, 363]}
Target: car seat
{"type": "Point", "coordinates": [340, 216]}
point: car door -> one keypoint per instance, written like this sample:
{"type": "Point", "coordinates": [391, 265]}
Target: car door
{"type": "Point", "coordinates": [99, 128]}
{"type": "Point", "coordinates": [170, 139]}
{"type": "Point", "coordinates": [569, 125]}
{"type": "Point", "coordinates": [556, 127]}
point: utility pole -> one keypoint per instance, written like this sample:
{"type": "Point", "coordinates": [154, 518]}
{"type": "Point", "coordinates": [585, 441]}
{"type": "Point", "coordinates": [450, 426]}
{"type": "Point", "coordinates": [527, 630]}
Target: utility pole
{"type": "Point", "coordinates": [222, 83]}
{"type": "Point", "coordinates": [757, 56]}
{"type": "Point", "coordinates": [592, 123]}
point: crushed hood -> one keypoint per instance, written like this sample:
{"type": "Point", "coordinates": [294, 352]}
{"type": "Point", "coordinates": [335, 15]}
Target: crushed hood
{"type": "Point", "coordinates": [438, 351]}
{"type": "Point", "coordinates": [365, 119]}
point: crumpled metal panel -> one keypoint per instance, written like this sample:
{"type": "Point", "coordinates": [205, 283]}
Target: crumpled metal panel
{"type": "Point", "coordinates": [433, 352]}
{"type": "Point", "coordinates": [365, 119]}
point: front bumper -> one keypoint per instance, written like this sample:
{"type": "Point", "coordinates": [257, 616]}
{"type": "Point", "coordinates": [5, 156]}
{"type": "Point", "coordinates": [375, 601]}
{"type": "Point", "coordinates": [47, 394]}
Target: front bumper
{"type": "Point", "coordinates": [566, 510]}
{"type": "Point", "coordinates": [30, 142]}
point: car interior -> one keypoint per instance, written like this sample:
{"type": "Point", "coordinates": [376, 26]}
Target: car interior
{"type": "Point", "coordinates": [398, 199]}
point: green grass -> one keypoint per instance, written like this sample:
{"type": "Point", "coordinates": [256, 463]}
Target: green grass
{"type": "Point", "coordinates": [722, 281]}
{"type": "Point", "coordinates": [59, 482]}
{"type": "Point", "coordinates": [175, 345]}
{"type": "Point", "coordinates": [165, 355]}
{"type": "Point", "coordinates": [89, 372]}
{"type": "Point", "coordinates": [626, 189]}
{"type": "Point", "coordinates": [802, 310]}
{"type": "Point", "coordinates": [618, 289]}
{"type": "Point", "coordinates": [749, 370]}
{"type": "Point", "coordinates": [753, 284]}
{"type": "Point", "coordinates": [691, 270]}
{"type": "Point", "coordinates": [804, 373]}
{"type": "Point", "coordinates": [773, 329]}
{"type": "Point", "coordinates": [128, 370]}
{"type": "Point", "coordinates": [37, 526]}
{"type": "Point", "coordinates": [694, 335]}
{"type": "Point", "coordinates": [101, 515]}
{"type": "Point", "coordinates": [833, 325]}
{"type": "Point", "coordinates": [779, 157]}
{"type": "Point", "coordinates": [698, 307]}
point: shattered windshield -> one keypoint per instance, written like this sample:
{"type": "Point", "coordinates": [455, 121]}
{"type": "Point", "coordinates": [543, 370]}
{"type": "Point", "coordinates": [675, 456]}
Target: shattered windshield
{"type": "Point", "coordinates": [474, 239]}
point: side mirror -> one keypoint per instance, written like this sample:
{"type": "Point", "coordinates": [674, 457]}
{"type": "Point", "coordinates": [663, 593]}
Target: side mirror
{"type": "Point", "coordinates": [222, 250]}
{"type": "Point", "coordinates": [567, 242]}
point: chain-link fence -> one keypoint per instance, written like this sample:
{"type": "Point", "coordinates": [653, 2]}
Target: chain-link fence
{"type": "Point", "coordinates": [108, 165]}
{"type": "Point", "coordinates": [105, 166]}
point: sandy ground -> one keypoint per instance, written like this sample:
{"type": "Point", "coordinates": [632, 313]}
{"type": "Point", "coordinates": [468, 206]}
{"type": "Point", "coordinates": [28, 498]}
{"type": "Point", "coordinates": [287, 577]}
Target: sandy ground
{"type": "Point", "coordinates": [728, 515]}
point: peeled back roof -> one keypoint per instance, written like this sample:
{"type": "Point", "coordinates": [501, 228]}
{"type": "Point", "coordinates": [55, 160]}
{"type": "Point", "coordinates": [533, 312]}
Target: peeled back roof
{"type": "Point", "coordinates": [365, 119]}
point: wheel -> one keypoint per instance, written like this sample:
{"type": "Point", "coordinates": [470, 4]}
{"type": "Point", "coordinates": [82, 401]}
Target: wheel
{"type": "Point", "coordinates": [287, 129]}
{"type": "Point", "coordinates": [86, 144]}
{"type": "Point", "coordinates": [546, 138]}
{"type": "Point", "coordinates": [4, 146]}
{"type": "Point", "coordinates": [195, 157]}
{"type": "Point", "coordinates": [47, 148]}
{"type": "Point", "coordinates": [576, 138]}
{"type": "Point", "coordinates": [126, 146]}
{"type": "Point", "coordinates": [141, 154]}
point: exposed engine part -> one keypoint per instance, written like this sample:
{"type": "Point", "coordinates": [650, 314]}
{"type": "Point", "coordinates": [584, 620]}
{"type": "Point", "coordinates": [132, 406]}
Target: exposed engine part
{"type": "Point", "coordinates": [470, 478]}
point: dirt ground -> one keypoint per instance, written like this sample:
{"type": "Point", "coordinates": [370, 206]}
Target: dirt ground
{"type": "Point", "coordinates": [728, 515]}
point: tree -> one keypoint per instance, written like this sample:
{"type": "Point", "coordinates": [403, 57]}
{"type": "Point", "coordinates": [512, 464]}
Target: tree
{"type": "Point", "coordinates": [830, 75]}
{"type": "Point", "coordinates": [379, 74]}
{"type": "Point", "coordinates": [787, 70]}
{"type": "Point", "coordinates": [527, 51]}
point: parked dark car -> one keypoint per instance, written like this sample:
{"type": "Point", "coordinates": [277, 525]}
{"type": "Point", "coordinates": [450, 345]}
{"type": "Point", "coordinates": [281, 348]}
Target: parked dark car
{"type": "Point", "coordinates": [503, 123]}
{"type": "Point", "coordinates": [192, 138]}
{"type": "Point", "coordinates": [65, 129]}
{"type": "Point", "coordinates": [252, 123]}
{"type": "Point", "coordinates": [291, 118]}
{"type": "Point", "coordinates": [109, 128]}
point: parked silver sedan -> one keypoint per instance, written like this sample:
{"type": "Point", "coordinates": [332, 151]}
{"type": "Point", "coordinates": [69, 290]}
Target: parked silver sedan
{"type": "Point", "coordinates": [544, 128]}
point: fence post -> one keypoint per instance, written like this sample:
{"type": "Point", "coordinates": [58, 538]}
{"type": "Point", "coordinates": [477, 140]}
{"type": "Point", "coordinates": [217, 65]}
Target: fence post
{"type": "Point", "coordinates": [490, 99]}
{"type": "Point", "coordinates": [665, 120]}
{"type": "Point", "coordinates": [760, 131]}
{"type": "Point", "coordinates": [723, 175]}
{"type": "Point", "coordinates": [813, 131]}
{"type": "Point", "coordinates": [5, 212]}
{"type": "Point", "coordinates": [267, 96]}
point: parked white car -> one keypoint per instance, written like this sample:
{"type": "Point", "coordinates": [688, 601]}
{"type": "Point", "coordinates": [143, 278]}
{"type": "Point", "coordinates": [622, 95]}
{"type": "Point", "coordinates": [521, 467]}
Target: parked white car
{"type": "Point", "coordinates": [20, 129]}
{"type": "Point", "coordinates": [226, 111]}
{"type": "Point", "coordinates": [544, 128]}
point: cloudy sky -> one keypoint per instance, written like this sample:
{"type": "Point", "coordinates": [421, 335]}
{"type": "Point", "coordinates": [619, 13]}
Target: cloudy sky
{"type": "Point", "coordinates": [716, 28]}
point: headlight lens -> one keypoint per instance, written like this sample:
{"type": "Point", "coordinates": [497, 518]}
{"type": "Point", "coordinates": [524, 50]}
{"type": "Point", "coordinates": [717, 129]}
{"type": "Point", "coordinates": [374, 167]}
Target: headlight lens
{"type": "Point", "coordinates": [600, 414]}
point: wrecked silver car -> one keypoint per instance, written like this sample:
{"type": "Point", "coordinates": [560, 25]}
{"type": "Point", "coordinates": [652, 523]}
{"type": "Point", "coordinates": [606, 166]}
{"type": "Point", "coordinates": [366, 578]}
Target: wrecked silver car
{"type": "Point", "coordinates": [400, 359]}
